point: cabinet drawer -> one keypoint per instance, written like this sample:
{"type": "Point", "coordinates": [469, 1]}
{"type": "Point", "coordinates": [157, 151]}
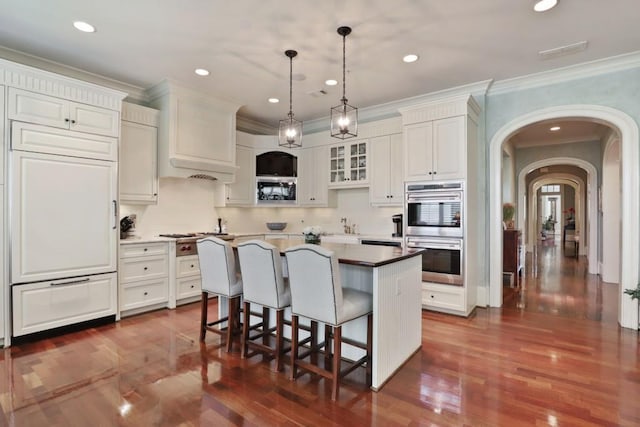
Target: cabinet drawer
{"type": "Point", "coordinates": [189, 287]}
{"type": "Point", "coordinates": [41, 306]}
{"type": "Point", "coordinates": [143, 249]}
{"type": "Point", "coordinates": [143, 268]}
{"type": "Point", "coordinates": [144, 293]}
{"type": "Point", "coordinates": [443, 296]}
{"type": "Point", "coordinates": [187, 266]}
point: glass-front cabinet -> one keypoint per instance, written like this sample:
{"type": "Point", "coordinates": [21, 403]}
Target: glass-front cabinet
{"type": "Point", "coordinates": [348, 164]}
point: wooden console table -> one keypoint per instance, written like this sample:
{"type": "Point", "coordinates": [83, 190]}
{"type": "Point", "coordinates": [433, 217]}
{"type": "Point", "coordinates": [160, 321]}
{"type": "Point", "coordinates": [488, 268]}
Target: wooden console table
{"type": "Point", "coordinates": [511, 247]}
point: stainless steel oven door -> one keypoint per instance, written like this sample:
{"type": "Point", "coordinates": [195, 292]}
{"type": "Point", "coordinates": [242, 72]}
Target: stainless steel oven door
{"type": "Point", "coordinates": [435, 214]}
{"type": "Point", "coordinates": [442, 260]}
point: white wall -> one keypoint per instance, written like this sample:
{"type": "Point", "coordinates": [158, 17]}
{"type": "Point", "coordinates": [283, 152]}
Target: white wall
{"type": "Point", "coordinates": [187, 205]}
{"type": "Point", "coordinates": [610, 206]}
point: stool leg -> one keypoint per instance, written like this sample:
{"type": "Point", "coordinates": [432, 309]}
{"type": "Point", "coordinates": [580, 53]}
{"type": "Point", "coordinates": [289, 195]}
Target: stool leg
{"type": "Point", "coordinates": [314, 341]}
{"type": "Point", "coordinates": [279, 340]}
{"type": "Point", "coordinates": [203, 315]}
{"type": "Point", "coordinates": [337, 354]}
{"type": "Point", "coordinates": [294, 345]}
{"type": "Point", "coordinates": [231, 321]}
{"type": "Point", "coordinates": [327, 343]}
{"type": "Point", "coordinates": [245, 330]}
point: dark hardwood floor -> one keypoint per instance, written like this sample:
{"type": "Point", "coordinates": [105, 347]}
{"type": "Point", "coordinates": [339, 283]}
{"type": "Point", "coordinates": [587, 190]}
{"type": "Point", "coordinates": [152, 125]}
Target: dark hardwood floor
{"type": "Point", "coordinates": [553, 356]}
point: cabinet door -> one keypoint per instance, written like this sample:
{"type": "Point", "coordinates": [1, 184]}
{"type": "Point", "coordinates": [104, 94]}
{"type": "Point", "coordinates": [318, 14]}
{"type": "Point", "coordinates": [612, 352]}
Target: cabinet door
{"type": "Point", "coordinates": [396, 170]}
{"type": "Point", "coordinates": [449, 152]}
{"type": "Point", "coordinates": [379, 191]}
{"type": "Point", "coordinates": [90, 119]}
{"type": "Point", "coordinates": [65, 206]}
{"type": "Point", "coordinates": [242, 191]}
{"type": "Point", "coordinates": [32, 107]}
{"type": "Point", "coordinates": [138, 163]}
{"type": "Point", "coordinates": [313, 175]}
{"type": "Point", "coordinates": [418, 151]}
{"type": "Point", "coordinates": [348, 164]}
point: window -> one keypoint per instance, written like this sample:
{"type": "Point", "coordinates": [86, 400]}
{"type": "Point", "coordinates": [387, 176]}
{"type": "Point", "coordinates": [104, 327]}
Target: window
{"type": "Point", "coordinates": [555, 188]}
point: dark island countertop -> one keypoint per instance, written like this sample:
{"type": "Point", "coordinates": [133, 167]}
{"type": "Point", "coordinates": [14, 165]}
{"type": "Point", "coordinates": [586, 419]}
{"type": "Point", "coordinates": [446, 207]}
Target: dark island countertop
{"type": "Point", "coordinates": [362, 255]}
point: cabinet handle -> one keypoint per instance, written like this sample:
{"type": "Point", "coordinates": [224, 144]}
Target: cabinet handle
{"type": "Point", "coordinates": [115, 214]}
{"type": "Point", "coordinates": [73, 121]}
{"type": "Point", "coordinates": [155, 194]}
{"type": "Point", "coordinates": [192, 286]}
{"type": "Point", "coordinates": [146, 268]}
{"type": "Point", "coordinates": [430, 173]}
{"type": "Point", "coordinates": [391, 196]}
{"type": "Point", "coordinates": [192, 265]}
{"type": "Point", "coordinates": [432, 296]}
{"type": "Point", "coordinates": [434, 172]}
{"type": "Point", "coordinates": [145, 249]}
{"type": "Point", "coordinates": [146, 293]}
{"type": "Point", "coordinates": [70, 282]}
{"type": "Point", "coordinates": [66, 120]}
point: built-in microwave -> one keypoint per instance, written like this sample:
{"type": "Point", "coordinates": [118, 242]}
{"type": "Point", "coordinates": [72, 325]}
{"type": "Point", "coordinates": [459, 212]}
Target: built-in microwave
{"type": "Point", "coordinates": [276, 190]}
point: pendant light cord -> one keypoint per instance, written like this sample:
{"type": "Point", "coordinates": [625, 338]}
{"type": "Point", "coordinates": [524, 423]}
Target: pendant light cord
{"type": "Point", "coordinates": [344, 67]}
{"type": "Point", "coordinates": [291, 87]}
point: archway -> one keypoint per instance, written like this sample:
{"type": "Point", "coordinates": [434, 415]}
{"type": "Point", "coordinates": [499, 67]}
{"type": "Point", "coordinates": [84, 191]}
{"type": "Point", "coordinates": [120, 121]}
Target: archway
{"type": "Point", "coordinates": [592, 202]}
{"type": "Point", "coordinates": [556, 178]}
{"type": "Point", "coordinates": [630, 206]}
{"type": "Point", "coordinates": [610, 209]}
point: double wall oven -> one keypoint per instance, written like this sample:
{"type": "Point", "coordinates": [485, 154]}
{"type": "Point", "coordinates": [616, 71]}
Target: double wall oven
{"type": "Point", "coordinates": [435, 222]}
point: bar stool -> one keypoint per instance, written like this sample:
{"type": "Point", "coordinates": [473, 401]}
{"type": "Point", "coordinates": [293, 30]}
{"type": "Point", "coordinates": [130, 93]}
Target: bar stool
{"type": "Point", "coordinates": [263, 284]}
{"type": "Point", "coordinates": [317, 294]}
{"type": "Point", "coordinates": [219, 277]}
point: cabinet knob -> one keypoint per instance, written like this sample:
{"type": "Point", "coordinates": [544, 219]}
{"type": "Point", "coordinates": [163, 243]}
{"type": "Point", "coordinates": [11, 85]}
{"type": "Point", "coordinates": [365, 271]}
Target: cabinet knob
{"type": "Point", "coordinates": [391, 196]}
{"type": "Point", "coordinates": [66, 120]}
{"type": "Point", "coordinates": [430, 173]}
{"type": "Point", "coordinates": [145, 249]}
{"type": "Point", "coordinates": [434, 172]}
{"type": "Point", "coordinates": [192, 286]}
{"type": "Point", "coordinates": [155, 194]}
{"type": "Point", "coordinates": [146, 293]}
{"type": "Point", "coordinates": [146, 268]}
{"type": "Point", "coordinates": [432, 296]}
{"type": "Point", "coordinates": [73, 121]}
{"type": "Point", "coordinates": [192, 265]}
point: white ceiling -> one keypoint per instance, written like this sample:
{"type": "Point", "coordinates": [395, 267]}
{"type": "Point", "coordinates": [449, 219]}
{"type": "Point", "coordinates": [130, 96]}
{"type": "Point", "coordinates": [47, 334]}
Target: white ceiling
{"type": "Point", "coordinates": [242, 43]}
{"type": "Point", "coordinates": [577, 130]}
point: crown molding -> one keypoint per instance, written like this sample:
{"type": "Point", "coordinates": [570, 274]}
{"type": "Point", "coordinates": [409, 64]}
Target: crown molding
{"type": "Point", "coordinates": [564, 74]}
{"type": "Point", "coordinates": [255, 127]}
{"type": "Point", "coordinates": [133, 92]}
{"type": "Point", "coordinates": [140, 114]}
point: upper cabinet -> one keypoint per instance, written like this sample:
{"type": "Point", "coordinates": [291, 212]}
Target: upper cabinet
{"type": "Point", "coordinates": [242, 190]}
{"type": "Point", "coordinates": [386, 187]}
{"type": "Point", "coordinates": [348, 164]}
{"type": "Point", "coordinates": [139, 155]}
{"type": "Point", "coordinates": [313, 189]}
{"type": "Point", "coordinates": [47, 110]}
{"type": "Point", "coordinates": [197, 133]}
{"type": "Point", "coordinates": [437, 137]}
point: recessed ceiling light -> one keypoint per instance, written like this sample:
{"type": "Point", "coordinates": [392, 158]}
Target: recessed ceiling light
{"type": "Point", "coordinates": [331, 82]}
{"type": "Point", "coordinates": [202, 72]}
{"type": "Point", "coordinates": [410, 58]}
{"type": "Point", "coordinates": [274, 100]}
{"type": "Point", "coordinates": [84, 27]}
{"type": "Point", "coordinates": [544, 5]}
{"type": "Point", "coordinates": [554, 128]}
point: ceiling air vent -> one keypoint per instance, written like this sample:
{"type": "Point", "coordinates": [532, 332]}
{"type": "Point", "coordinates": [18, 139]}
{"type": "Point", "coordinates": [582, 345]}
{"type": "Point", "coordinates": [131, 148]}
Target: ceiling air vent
{"type": "Point", "coordinates": [563, 50]}
{"type": "Point", "coordinates": [317, 93]}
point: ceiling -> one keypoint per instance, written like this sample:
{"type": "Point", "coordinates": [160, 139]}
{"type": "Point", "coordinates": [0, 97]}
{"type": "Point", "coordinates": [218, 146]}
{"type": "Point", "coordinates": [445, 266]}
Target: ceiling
{"type": "Point", "coordinates": [577, 130]}
{"type": "Point", "coordinates": [242, 43]}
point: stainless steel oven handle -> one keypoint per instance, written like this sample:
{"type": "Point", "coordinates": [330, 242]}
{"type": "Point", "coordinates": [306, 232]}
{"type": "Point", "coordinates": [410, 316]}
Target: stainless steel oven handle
{"type": "Point", "coordinates": [430, 245]}
{"type": "Point", "coordinates": [419, 199]}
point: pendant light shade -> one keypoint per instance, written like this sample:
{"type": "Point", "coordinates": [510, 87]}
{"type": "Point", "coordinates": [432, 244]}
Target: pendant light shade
{"type": "Point", "coordinates": [344, 117]}
{"type": "Point", "coordinates": [290, 131]}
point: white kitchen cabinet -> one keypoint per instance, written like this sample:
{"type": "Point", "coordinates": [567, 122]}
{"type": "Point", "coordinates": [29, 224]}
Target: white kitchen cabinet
{"type": "Point", "coordinates": [144, 277]}
{"type": "Point", "coordinates": [46, 305]}
{"type": "Point", "coordinates": [47, 110]}
{"type": "Point", "coordinates": [188, 279]}
{"type": "Point", "coordinates": [348, 164]}
{"type": "Point", "coordinates": [242, 191]}
{"type": "Point", "coordinates": [439, 137]}
{"type": "Point", "coordinates": [313, 176]}
{"type": "Point", "coordinates": [139, 155]}
{"type": "Point", "coordinates": [2, 141]}
{"type": "Point", "coordinates": [435, 150]}
{"type": "Point", "coordinates": [444, 298]}
{"type": "Point", "coordinates": [386, 187]}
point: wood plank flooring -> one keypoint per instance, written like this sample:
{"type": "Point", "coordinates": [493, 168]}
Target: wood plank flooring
{"type": "Point", "coordinates": [553, 356]}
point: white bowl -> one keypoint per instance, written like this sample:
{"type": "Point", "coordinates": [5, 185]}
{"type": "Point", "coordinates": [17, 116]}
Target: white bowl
{"type": "Point", "coordinates": [276, 226]}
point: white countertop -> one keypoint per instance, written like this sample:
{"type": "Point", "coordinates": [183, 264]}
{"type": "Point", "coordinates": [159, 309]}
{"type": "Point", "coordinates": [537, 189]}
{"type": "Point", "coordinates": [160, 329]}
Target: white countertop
{"type": "Point", "coordinates": [151, 239]}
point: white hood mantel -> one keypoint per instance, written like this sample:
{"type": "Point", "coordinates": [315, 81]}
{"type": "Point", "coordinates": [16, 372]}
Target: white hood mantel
{"type": "Point", "coordinates": [196, 133]}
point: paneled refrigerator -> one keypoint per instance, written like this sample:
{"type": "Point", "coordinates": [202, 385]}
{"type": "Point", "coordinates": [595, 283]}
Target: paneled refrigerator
{"type": "Point", "coordinates": [63, 225]}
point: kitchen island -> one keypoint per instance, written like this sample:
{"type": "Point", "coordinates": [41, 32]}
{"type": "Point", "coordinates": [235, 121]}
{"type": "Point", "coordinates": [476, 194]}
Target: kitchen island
{"type": "Point", "coordinates": [393, 276]}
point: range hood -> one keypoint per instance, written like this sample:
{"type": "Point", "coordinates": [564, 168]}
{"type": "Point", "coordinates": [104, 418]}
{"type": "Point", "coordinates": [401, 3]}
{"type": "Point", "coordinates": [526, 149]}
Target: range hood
{"type": "Point", "coordinates": [196, 134]}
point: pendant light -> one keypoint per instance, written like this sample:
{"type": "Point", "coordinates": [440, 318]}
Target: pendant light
{"type": "Point", "coordinates": [290, 131]}
{"type": "Point", "coordinates": [344, 117]}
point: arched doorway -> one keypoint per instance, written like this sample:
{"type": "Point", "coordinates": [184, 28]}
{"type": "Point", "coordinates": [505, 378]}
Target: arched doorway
{"type": "Point", "coordinates": [610, 209]}
{"type": "Point", "coordinates": [630, 206]}
{"type": "Point", "coordinates": [592, 202]}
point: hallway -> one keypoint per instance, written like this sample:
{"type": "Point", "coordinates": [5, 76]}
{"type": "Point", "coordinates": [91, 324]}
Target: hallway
{"type": "Point", "coordinates": [555, 282]}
